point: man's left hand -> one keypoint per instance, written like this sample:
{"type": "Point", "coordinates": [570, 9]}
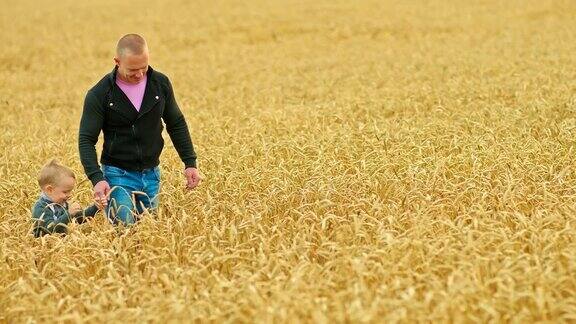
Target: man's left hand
{"type": "Point", "coordinates": [193, 177]}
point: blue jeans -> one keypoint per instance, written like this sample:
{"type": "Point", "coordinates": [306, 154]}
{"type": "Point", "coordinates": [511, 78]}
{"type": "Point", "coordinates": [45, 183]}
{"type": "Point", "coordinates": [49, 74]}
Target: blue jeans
{"type": "Point", "coordinates": [131, 193]}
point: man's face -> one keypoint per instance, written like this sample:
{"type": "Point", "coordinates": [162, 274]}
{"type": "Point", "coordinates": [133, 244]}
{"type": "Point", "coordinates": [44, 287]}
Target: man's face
{"type": "Point", "coordinates": [61, 191]}
{"type": "Point", "coordinates": [132, 67]}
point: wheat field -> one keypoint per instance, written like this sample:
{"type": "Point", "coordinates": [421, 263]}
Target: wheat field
{"type": "Point", "coordinates": [363, 161]}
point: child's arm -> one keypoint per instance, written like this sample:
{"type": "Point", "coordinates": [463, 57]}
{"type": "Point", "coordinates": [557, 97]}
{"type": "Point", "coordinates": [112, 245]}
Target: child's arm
{"type": "Point", "coordinates": [91, 210]}
{"type": "Point", "coordinates": [81, 216]}
{"type": "Point", "coordinates": [42, 218]}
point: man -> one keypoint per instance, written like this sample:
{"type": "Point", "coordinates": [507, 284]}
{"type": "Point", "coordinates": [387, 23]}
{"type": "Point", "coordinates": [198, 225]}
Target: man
{"type": "Point", "coordinates": [128, 105]}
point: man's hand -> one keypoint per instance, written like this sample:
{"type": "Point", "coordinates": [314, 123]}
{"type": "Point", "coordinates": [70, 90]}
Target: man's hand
{"type": "Point", "coordinates": [193, 177]}
{"type": "Point", "coordinates": [74, 208]}
{"type": "Point", "coordinates": [101, 193]}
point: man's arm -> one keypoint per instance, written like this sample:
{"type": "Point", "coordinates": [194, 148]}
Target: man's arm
{"type": "Point", "coordinates": [90, 127]}
{"type": "Point", "coordinates": [178, 129]}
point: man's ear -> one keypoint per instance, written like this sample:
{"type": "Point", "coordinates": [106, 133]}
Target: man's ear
{"type": "Point", "coordinates": [116, 60]}
{"type": "Point", "coordinates": [49, 188]}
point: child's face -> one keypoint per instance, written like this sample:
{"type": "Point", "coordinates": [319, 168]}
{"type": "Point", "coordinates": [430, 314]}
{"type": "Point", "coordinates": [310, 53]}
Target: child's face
{"type": "Point", "coordinates": [61, 191]}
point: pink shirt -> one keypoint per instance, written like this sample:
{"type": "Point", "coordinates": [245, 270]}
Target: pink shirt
{"type": "Point", "coordinates": [134, 92]}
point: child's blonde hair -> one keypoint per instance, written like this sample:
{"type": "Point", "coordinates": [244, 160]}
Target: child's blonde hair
{"type": "Point", "coordinates": [52, 172]}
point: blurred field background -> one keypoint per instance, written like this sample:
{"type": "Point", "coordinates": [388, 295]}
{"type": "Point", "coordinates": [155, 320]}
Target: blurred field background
{"type": "Point", "coordinates": [364, 161]}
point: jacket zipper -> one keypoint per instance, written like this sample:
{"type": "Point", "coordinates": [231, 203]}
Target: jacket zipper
{"type": "Point", "coordinates": [137, 143]}
{"type": "Point", "coordinates": [137, 147]}
{"type": "Point", "coordinates": [112, 144]}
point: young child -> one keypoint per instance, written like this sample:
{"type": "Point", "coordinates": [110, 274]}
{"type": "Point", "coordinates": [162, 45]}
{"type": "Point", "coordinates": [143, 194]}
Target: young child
{"type": "Point", "coordinates": [51, 213]}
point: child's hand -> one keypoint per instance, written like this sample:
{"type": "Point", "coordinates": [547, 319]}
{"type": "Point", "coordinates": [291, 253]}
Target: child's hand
{"type": "Point", "coordinates": [98, 204]}
{"type": "Point", "coordinates": [74, 208]}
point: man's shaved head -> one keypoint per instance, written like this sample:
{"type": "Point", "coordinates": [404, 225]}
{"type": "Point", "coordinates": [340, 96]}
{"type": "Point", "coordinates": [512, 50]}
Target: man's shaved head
{"type": "Point", "coordinates": [131, 58]}
{"type": "Point", "coordinates": [131, 44]}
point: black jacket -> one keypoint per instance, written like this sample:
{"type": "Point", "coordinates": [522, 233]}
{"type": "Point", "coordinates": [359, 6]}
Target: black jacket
{"type": "Point", "coordinates": [132, 139]}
